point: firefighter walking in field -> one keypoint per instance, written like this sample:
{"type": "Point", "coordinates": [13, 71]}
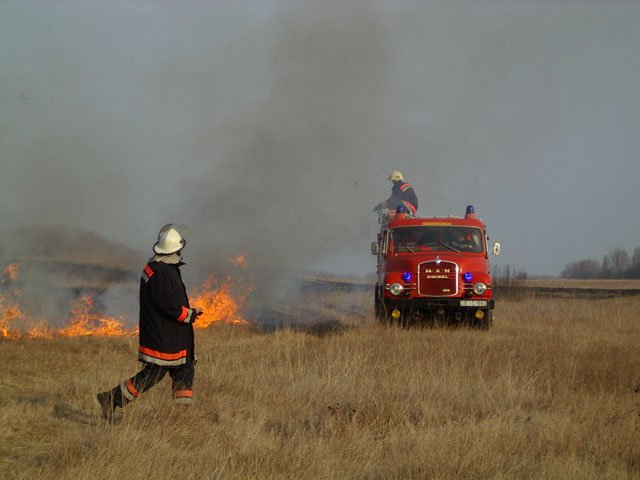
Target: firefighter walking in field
{"type": "Point", "coordinates": [165, 328]}
{"type": "Point", "coordinates": [402, 195]}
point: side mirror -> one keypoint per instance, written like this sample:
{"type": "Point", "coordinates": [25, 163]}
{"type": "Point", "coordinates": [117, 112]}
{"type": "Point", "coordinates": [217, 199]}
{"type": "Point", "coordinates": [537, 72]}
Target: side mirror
{"type": "Point", "coordinates": [375, 248]}
{"type": "Point", "coordinates": [496, 249]}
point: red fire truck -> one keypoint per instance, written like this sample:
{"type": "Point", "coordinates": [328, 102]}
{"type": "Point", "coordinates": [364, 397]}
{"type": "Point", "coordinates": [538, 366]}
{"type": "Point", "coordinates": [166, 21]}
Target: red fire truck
{"type": "Point", "coordinates": [434, 268]}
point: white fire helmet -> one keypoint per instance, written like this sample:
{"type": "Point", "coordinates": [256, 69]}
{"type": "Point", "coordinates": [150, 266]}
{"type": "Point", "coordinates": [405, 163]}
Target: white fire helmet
{"type": "Point", "coordinates": [169, 240]}
{"type": "Point", "coordinates": [396, 176]}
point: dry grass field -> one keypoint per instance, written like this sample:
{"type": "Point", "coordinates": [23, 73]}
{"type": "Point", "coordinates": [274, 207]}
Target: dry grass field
{"type": "Point", "coordinates": [547, 393]}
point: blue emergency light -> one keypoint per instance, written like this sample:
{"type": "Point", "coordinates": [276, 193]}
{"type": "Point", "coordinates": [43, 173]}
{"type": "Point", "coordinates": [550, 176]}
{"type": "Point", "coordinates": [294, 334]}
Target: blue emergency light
{"type": "Point", "coordinates": [406, 276]}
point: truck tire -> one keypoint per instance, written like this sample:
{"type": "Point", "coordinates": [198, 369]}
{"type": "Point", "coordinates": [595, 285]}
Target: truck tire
{"type": "Point", "coordinates": [485, 323]}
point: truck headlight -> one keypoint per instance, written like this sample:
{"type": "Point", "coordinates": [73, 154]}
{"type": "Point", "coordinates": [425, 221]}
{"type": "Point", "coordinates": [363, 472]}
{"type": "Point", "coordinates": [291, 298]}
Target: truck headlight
{"type": "Point", "coordinates": [396, 289]}
{"type": "Point", "coordinates": [479, 288]}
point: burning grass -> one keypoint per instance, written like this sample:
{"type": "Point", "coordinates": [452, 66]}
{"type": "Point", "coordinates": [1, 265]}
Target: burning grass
{"type": "Point", "coordinates": [547, 393]}
{"type": "Point", "coordinates": [84, 322]}
{"type": "Point", "coordinates": [223, 301]}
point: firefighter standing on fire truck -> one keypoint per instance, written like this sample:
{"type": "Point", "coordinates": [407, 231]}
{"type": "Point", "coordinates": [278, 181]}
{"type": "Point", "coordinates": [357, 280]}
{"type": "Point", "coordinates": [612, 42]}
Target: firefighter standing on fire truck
{"type": "Point", "coordinates": [166, 328]}
{"type": "Point", "coordinates": [402, 195]}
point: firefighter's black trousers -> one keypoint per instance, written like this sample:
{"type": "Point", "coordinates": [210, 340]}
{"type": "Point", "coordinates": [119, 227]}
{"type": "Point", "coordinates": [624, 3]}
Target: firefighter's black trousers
{"type": "Point", "coordinates": [181, 383]}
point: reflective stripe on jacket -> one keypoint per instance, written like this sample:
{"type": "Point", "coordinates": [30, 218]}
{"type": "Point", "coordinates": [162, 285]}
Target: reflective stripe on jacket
{"type": "Point", "coordinates": [402, 194]}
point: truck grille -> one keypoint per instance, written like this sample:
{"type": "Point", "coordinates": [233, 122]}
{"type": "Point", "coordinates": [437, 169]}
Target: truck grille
{"type": "Point", "coordinates": [438, 278]}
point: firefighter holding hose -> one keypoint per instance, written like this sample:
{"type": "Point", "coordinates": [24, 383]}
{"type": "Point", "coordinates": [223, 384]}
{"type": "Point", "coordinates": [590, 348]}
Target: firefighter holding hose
{"type": "Point", "coordinates": [165, 328]}
{"type": "Point", "coordinates": [402, 195]}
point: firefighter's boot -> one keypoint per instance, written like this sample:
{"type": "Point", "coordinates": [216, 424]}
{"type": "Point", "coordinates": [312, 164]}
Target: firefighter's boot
{"type": "Point", "coordinates": [107, 401]}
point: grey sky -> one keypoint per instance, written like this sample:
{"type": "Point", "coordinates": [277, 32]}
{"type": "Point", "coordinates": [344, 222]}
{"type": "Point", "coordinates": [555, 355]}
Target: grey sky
{"type": "Point", "coordinates": [270, 127]}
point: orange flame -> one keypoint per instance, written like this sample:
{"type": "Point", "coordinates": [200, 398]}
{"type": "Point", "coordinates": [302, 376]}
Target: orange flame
{"type": "Point", "coordinates": [85, 323]}
{"type": "Point", "coordinates": [8, 314]}
{"type": "Point", "coordinates": [220, 302]}
{"type": "Point", "coordinates": [240, 260]}
{"type": "Point", "coordinates": [11, 271]}
{"type": "Point", "coordinates": [41, 330]}
{"type": "Point", "coordinates": [10, 310]}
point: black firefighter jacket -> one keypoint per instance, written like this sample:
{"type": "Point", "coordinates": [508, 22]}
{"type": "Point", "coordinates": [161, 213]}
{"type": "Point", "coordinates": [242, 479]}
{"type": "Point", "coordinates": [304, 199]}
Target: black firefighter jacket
{"type": "Point", "coordinates": [402, 194]}
{"type": "Point", "coordinates": [166, 328]}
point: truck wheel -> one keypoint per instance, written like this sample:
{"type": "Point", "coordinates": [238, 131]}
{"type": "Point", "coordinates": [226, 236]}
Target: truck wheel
{"type": "Point", "coordinates": [485, 322]}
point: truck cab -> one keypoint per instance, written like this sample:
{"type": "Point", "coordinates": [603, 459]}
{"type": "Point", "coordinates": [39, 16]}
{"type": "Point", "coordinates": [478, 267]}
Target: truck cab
{"type": "Point", "coordinates": [434, 268]}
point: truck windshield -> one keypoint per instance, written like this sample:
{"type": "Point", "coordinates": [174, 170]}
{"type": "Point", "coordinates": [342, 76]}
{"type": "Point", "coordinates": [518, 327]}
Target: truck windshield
{"type": "Point", "coordinates": [437, 238]}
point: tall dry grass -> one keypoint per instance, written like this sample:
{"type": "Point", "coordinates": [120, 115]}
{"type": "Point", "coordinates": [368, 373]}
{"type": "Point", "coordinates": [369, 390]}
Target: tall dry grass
{"type": "Point", "coordinates": [548, 392]}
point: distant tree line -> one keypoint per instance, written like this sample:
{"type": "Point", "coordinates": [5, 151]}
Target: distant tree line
{"type": "Point", "coordinates": [615, 264]}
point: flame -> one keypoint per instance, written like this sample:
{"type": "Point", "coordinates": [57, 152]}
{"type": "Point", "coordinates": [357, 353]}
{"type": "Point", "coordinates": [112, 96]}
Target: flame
{"type": "Point", "coordinates": [10, 272]}
{"type": "Point", "coordinates": [10, 310]}
{"type": "Point", "coordinates": [221, 302]}
{"type": "Point", "coordinates": [85, 323]}
{"type": "Point", "coordinates": [8, 314]}
{"type": "Point", "coordinates": [42, 330]}
{"type": "Point", "coordinates": [240, 260]}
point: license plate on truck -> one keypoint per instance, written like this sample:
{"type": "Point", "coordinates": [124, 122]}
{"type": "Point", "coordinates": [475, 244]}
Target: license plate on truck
{"type": "Point", "coordinates": [473, 303]}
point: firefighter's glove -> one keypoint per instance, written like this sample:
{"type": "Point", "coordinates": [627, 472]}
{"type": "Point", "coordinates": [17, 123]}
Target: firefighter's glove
{"type": "Point", "coordinates": [196, 313]}
{"type": "Point", "coordinates": [378, 207]}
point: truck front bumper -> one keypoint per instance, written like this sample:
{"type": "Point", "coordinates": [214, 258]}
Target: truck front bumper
{"type": "Point", "coordinates": [437, 304]}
